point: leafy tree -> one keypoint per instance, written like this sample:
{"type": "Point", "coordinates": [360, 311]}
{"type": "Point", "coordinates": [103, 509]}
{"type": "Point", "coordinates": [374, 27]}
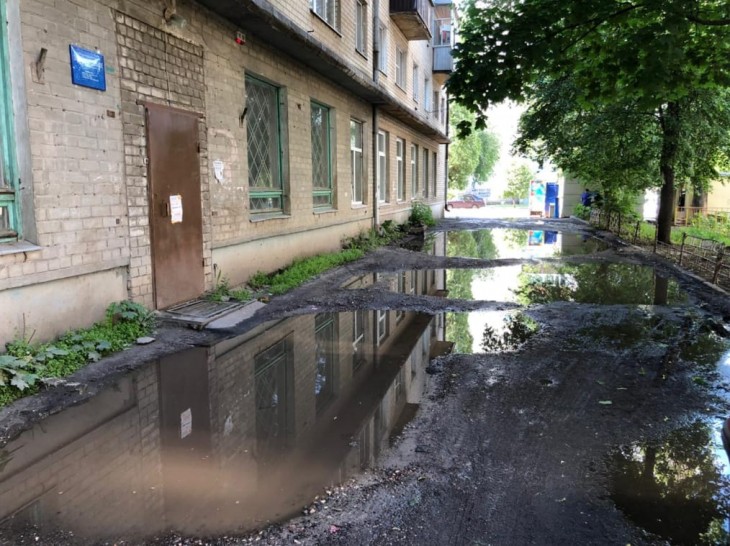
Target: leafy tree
{"type": "Point", "coordinates": [518, 182]}
{"type": "Point", "coordinates": [470, 155]}
{"type": "Point", "coordinates": [488, 154]}
{"type": "Point", "coordinates": [651, 54]}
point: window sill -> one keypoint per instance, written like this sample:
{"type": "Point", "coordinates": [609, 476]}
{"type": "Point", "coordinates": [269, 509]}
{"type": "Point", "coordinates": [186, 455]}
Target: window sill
{"type": "Point", "coordinates": [361, 53]}
{"type": "Point", "coordinates": [18, 247]}
{"type": "Point", "coordinates": [324, 211]}
{"type": "Point", "coordinates": [269, 216]}
{"type": "Point", "coordinates": [318, 16]}
{"type": "Point", "coordinates": [358, 206]}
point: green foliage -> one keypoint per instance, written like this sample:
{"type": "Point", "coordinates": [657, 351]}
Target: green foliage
{"type": "Point", "coordinates": [300, 271]}
{"type": "Point", "coordinates": [517, 329]}
{"type": "Point", "coordinates": [662, 66]}
{"type": "Point", "coordinates": [470, 155]}
{"type": "Point", "coordinates": [581, 211]}
{"type": "Point", "coordinates": [518, 182]}
{"type": "Point", "coordinates": [223, 291]}
{"type": "Point", "coordinates": [421, 214]}
{"type": "Point", "coordinates": [26, 366]}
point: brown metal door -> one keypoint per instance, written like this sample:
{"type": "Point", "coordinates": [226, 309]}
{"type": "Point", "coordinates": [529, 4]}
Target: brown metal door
{"type": "Point", "coordinates": [175, 210]}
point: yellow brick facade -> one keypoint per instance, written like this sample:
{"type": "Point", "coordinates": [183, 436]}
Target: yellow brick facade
{"type": "Point", "coordinates": [83, 186]}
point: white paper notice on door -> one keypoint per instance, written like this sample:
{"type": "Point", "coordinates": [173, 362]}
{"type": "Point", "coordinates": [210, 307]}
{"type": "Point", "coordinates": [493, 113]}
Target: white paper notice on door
{"type": "Point", "coordinates": [186, 423]}
{"type": "Point", "coordinates": [176, 210]}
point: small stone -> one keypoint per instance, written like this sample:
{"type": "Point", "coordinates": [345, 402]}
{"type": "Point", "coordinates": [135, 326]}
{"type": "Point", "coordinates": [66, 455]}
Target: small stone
{"type": "Point", "coordinates": [146, 340]}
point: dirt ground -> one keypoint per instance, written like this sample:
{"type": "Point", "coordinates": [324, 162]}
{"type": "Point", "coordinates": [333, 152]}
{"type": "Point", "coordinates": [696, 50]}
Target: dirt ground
{"type": "Point", "coordinates": [508, 448]}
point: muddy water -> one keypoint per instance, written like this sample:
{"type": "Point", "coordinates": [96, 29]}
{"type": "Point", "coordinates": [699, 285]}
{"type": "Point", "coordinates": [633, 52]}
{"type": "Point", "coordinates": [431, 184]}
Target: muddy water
{"type": "Point", "coordinates": [678, 486]}
{"type": "Point", "coordinates": [218, 440]}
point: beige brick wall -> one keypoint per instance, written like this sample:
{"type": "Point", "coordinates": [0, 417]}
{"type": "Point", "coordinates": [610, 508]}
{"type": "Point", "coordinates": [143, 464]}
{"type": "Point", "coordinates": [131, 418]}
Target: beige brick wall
{"type": "Point", "coordinates": [87, 147]}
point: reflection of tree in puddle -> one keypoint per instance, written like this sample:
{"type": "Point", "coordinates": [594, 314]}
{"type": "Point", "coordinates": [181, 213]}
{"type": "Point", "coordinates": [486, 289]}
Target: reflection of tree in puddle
{"type": "Point", "coordinates": [516, 238]}
{"type": "Point", "coordinates": [518, 328]}
{"type": "Point", "coordinates": [477, 244]}
{"type": "Point", "coordinates": [674, 488]}
{"type": "Point", "coordinates": [600, 283]}
{"type": "Point", "coordinates": [634, 329]}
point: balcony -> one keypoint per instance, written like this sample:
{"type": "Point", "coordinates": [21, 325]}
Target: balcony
{"type": "Point", "coordinates": [443, 63]}
{"type": "Point", "coordinates": [412, 17]}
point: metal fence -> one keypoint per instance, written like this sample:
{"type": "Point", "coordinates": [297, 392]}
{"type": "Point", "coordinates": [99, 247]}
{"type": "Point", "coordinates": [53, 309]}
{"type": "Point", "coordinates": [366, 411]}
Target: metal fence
{"type": "Point", "coordinates": [705, 257]}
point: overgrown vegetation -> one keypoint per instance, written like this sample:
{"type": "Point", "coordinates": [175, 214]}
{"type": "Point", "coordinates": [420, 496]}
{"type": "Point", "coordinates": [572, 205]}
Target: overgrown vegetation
{"type": "Point", "coordinates": [27, 367]}
{"type": "Point", "coordinates": [302, 270]}
{"type": "Point", "coordinates": [421, 214]}
{"type": "Point", "coordinates": [224, 292]}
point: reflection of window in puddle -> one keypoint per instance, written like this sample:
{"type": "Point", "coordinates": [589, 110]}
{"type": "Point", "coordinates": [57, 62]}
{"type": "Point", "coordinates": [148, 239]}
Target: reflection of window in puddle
{"type": "Point", "coordinates": [325, 355]}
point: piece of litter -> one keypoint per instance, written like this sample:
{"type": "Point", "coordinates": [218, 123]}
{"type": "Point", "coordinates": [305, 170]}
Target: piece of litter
{"type": "Point", "coordinates": [605, 402]}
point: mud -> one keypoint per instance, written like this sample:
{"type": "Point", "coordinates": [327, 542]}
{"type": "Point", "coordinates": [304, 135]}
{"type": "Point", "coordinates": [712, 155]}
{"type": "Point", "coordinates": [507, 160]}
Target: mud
{"type": "Point", "coordinates": [543, 441]}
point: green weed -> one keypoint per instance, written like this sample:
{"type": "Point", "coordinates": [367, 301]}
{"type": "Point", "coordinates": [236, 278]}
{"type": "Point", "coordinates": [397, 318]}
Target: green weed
{"type": "Point", "coordinates": [24, 367]}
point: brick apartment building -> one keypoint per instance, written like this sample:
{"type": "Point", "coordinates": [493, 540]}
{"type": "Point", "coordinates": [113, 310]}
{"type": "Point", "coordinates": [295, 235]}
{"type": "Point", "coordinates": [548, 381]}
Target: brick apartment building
{"type": "Point", "coordinates": [150, 145]}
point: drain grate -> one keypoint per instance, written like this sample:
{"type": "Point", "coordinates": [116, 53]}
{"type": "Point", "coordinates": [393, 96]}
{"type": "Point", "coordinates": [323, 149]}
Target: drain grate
{"type": "Point", "coordinates": [202, 309]}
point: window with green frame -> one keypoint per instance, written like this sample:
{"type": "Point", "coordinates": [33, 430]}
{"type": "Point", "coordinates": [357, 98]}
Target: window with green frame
{"type": "Point", "coordinates": [263, 129]}
{"type": "Point", "coordinates": [321, 157]}
{"type": "Point", "coordinates": [9, 206]}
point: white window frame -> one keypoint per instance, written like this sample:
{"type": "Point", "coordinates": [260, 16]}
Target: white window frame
{"type": "Point", "coordinates": [400, 67]}
{"type": "Point", "coordinates": [400, 150]}
{"type": "Point", "coordinates": [382, 172]}
{"type": "Point", "coordinates": [361, 26]}
{"type": "Point", "coordinates": [383, 53]}
{"type": "Point", "coordinates": [357, 165]}
{"type": "Point", "coordinates": [328, 11]}
{"type": "Point", "coordinates": [414, 171]}
{"type": "Point", "coordinates": [382, 325]}
{"type": "Point", "coordinates": [433, 173]}
{"type": "Point", "coordinates": [414, 79]}
{"type": "Point", "coordinates": [426, 179]}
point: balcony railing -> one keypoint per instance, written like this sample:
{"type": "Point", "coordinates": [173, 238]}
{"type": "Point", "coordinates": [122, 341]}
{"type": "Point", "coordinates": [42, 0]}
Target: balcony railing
{"type": "Point", "coordinates": [443, 60]}
{"type": "Point", "coordinates": [412, 17]}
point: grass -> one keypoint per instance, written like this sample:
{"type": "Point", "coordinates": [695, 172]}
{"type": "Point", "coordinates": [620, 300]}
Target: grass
{"type": "Point", "coordinates": [300, 271]}
{"type": "Point", "coordinates": [304, 269]}
{"type": "Point", "coordinates": [25, 368]}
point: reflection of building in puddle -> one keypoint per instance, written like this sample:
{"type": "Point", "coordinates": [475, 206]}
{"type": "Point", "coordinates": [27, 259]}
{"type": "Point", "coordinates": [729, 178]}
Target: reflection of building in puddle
{"type": "Point", "coordinates": [225, 438]}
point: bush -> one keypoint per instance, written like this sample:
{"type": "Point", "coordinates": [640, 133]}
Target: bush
{"type": "Point", "coordinates": [582, 212]}
{"type": "Point", "coordinates": [421, 214]}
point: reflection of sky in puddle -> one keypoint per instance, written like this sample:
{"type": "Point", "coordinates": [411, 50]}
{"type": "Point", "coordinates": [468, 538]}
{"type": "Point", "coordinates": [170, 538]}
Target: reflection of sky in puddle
{"type": "Point", "coordinates": [490, 244]}
{"type": "Point", "coordinates": [602, 283]}
{"type": "Point", "coordinates": [487, 331]}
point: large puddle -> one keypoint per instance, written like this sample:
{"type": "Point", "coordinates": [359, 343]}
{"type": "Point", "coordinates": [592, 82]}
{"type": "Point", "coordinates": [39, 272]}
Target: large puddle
{"type": "Point", "coordinates": [601, 283]}
{"type": "Point", "coordinates": [492, 244]}
{"type": "Point", "coordinates": [220, 440]}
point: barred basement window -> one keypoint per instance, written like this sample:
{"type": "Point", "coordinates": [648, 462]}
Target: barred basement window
{"type": "Point", "coordinates": [321, 157]}
{"type": "Point", "coordinates": [263, 128]}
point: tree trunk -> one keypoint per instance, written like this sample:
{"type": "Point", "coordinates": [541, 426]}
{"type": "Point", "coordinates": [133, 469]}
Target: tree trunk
{"type": "Point", "coordinates": [669, 119]}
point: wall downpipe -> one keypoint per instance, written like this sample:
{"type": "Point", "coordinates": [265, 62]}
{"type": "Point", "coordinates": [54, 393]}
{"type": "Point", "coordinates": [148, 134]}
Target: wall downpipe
{"type": "Point", "coordinates": [376, 114]}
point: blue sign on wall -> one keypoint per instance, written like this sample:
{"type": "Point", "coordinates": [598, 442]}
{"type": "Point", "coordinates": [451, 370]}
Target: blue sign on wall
{"type": "Point", "coordinates": [87, 68]}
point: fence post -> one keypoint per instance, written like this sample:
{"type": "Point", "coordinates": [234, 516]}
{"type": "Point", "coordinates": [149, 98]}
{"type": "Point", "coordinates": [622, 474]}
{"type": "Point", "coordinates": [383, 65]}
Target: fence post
{"type": "Point", "coordinates": [636, 232]}
{"type": "Point", "coordinates": [619, 224]}
{"type": "Point", "coordinates": [681, 248]}
{"type": "Point", "coordinates": [718, 264]}
{"type": "Point", "coordinates": [656, 237]}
